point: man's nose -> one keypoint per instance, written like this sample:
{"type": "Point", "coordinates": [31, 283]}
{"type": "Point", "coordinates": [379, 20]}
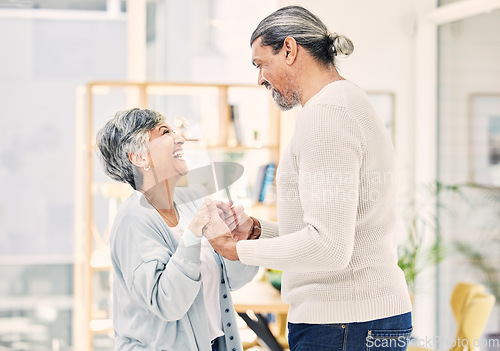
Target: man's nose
{"type": "Point", "coordinates": [260, 79]}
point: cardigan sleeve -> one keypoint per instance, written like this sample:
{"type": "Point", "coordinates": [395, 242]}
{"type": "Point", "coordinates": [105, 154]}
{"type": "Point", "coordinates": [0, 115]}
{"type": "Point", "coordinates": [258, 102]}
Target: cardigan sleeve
{"type": "Point", "coordinates": [329, 152]}
{"type": "Point", "coordinates": [163, 282]}
{"type": "Point", "coordinates": [239, 274]}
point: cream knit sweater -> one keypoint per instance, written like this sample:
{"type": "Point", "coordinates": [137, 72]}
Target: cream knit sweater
{"type": "Point", "coordinates": [336, 237]}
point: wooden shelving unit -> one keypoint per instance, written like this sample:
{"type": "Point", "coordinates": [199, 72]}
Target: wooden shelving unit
{"type": "Point", "coordinates": [92, 256]}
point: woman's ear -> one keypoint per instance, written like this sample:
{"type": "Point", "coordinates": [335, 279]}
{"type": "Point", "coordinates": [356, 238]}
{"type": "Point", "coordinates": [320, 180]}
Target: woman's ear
{"type": "Point", "coordinates": [139, 160]}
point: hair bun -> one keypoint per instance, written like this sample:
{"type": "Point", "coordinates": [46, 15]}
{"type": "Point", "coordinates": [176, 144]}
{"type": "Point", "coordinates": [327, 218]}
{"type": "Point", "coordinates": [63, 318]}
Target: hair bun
{"type": "Point", "coordinates": [341, 45]}
{"type": "Point", "coordinates": [332, 36]}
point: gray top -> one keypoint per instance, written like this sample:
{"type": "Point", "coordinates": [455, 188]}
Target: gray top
{"type": "Point", "coordinates": [157, 289]}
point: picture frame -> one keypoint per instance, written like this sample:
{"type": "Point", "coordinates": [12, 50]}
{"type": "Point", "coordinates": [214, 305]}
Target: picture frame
{"type": "Point", "coordinates": [484, 139]}
{"type": "Point", "coordinates": [384, 105]}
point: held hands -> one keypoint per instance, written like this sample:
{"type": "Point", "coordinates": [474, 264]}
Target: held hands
{"type": "Point", "coordinates": [238, 222]}
{"type": "Point", "coordinates": [219, 234]}
{"type": "Point", "coordinates": [223, 225]}
{"type": "Point", "coordinates": [209, 223]}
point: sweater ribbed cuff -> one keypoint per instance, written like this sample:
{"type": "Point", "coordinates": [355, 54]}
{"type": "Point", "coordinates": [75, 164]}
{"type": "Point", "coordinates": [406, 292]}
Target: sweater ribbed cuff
{"type": "Point", "coordinates": [268, 229]}
{"type": "Point", "coordinates": [246, 250]}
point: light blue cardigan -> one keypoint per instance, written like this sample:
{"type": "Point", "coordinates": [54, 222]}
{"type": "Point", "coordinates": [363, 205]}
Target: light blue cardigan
{"type": "Point", "coordinates": [157, 290]}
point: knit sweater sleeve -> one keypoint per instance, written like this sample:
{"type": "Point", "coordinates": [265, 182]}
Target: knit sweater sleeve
{"type": "Point", "coordinates": [328, 152]}
{"type": "Point", "coordinates": [269, 229]}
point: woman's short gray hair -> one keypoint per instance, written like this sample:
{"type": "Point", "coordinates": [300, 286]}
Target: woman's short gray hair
{"type": "Point", "coordinates": [127, 132]}
{"type": "Point", "coordinates": [307, 30]}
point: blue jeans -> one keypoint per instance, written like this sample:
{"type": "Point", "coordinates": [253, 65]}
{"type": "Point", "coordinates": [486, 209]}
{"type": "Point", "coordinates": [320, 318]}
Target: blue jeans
{"type": "Point", "coordinates": [387, 334]}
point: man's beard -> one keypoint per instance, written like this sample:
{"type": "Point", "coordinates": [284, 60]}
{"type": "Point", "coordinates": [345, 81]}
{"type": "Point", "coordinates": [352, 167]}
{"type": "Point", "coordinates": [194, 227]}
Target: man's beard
{"type": "Point", "coordinates": [283, 103]}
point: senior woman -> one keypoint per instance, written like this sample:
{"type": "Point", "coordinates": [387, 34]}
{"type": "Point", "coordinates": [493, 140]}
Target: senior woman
{"type": "Point", "coordinates": [170, 290]}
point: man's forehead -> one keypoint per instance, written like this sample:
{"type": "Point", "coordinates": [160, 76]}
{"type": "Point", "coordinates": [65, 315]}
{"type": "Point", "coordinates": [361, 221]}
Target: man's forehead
{"type": "Point", "coordinates": [256, 47]}
{"type": "Point", "coordinates": [257, 42]}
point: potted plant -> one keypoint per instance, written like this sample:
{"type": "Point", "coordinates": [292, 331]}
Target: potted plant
{"type": "Point", "coordinates": [420, 217]}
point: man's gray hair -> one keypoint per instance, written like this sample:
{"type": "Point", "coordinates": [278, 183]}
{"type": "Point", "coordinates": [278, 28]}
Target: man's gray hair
{"type": "Point", "coordinates": [307, 30]}
{"type": "Point", "coordinates": [127, 132]}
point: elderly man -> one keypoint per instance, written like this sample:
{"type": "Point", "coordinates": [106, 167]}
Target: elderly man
{"type": "Point", "coordinates": [335, 239]}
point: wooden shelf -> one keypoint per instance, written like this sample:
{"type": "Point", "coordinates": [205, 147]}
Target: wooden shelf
{"type": "Point", "coordinates": [101, 326]}
{"type": "Point", "coordinates": [101, 268]}
{"type": "Point", "coordinates": [260, 297]}
{"type": "Point", "coordinates": [100, 260]}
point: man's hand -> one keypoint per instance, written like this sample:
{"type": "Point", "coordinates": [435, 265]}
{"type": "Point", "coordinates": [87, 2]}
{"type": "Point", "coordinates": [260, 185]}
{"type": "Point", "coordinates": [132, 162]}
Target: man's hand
{"type": "Point", "coordinates": [236, 219]}
{"type": "Point", "coordinates": [219, 235]}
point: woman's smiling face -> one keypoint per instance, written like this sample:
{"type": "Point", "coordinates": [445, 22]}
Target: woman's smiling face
{"type": "Point", "coordinates": [166, 154]}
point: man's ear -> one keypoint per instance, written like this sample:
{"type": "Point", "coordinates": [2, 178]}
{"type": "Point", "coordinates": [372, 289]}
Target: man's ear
{"type": "Point", "coordinates": [290, 50]}
{"type": "Point", "coordinates": [139, 159]}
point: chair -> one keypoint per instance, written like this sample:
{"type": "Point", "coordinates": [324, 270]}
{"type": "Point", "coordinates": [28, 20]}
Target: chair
{"type": "Point", "coordinates": [471, 307]}
{"type": "Point", "coordinates": [461, 296]}
{"type": "Point", "coordinates": [474, 318]}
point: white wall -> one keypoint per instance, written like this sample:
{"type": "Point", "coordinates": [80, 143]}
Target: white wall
{"type": "Point", "coordinates": [207, 40]}
{"type": "Point", "coordinates": [383, 57]}
{"type": "Point", "coordinates": [230, 59]}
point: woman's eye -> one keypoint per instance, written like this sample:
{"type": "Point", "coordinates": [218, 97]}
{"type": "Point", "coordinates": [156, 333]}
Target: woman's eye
{"type": "Point", "coordinates": [165, 131]}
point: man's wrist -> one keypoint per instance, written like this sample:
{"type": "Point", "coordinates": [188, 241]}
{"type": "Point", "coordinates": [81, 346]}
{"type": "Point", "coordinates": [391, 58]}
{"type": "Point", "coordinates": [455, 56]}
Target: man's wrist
{"type": "Point", "coordinates": [225, 245]}
{"type": "Point", "coordinates": [256, 229]}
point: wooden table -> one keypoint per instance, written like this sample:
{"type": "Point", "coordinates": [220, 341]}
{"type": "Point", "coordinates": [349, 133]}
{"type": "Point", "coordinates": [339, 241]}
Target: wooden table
{"type": "Point", "coordinates": [261, 298]}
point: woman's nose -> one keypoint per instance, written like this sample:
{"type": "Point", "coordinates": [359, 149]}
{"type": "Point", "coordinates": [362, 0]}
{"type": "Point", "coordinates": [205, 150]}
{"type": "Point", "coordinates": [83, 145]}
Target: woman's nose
{"type": "Point", "coordinates": [179, 139]}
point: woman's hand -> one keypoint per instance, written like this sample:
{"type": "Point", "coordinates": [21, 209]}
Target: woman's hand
{"type": "Point", "coordinates": [238, 221]}
{"type": "Point", "coordinates": [219, 234]}
{"type": "Point", "coordinates": [201, 219]}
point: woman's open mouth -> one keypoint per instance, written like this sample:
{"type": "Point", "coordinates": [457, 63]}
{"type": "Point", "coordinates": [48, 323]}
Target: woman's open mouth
{"type": "Point", "coordinates": [178, 154]}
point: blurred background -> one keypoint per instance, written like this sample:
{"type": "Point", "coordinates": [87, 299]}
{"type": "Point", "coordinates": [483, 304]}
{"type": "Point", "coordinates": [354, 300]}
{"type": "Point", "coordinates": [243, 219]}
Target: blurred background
{"type": "Point", "coordinates": [66, 66]}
